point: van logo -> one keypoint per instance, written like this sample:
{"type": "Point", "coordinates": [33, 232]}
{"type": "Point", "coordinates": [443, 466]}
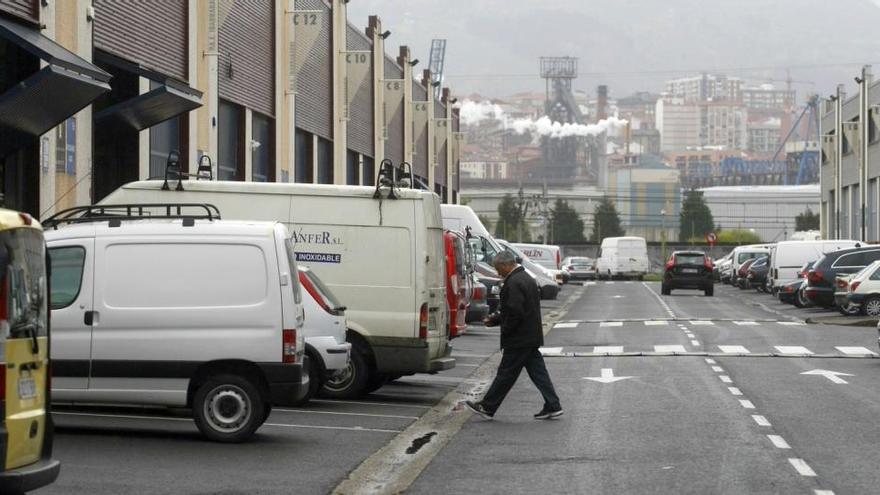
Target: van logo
{"type": "Point", "coordinates": [531, 253]}
{"type": "Point", "coordinates": [319, 257]}
{"type": "Point", "coordinates": [323, 237]}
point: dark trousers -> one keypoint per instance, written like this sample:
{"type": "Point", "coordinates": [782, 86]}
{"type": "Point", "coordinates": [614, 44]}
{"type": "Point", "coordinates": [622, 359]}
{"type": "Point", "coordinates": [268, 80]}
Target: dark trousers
{"type": "Point", "coordinates": [512, 363]}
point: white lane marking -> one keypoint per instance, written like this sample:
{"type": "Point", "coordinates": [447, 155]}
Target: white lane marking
{"type": "Point", "coordinates": [733, 349]}
{"type": "Point", "coordinates": [607, 376]}
{"type": "Point", "coordinates": [565, 325]}
{"type": "Point", "coordinates": [725, 379]}
{"type": "Point", "coordinates": [669, 348]}
{"type": "Point", "coordinates": [656, 323]}
{"type": "Point", "coordinates": [337, 413]}
{"type": "Point", "coordinates": [779, 442]}
{"type": "Point", "coordinates": [695, 343]}
{"type": "Point", "coordinates": [717, 369]}
{"type": "Point", "coordinates": [611, 324]}
{"type": "Point", "coordinates": [608, 348]}
{"type": "Point", "coordinates": [747, 404]}
{"type": "Point", "coordinates": [587, 284]}
{"type": "Point", "coordinates": [618, 296]}
{"type": "Point", "coordinates": [792, 323]}
{"type": "Point", "coordinates": [284, 425]}
{"type": "Point", "coordinates": [861, 351]}
{"type": "Point", "coordinates": [792, 349]}
{"type": "Point", "coordinates": [761, 420]}
{"type": "Point", "coordinates": [802, 467]}
{"type": "Point", "coordinates": [747, 323]}
{"type": "Point", "coordinates": [455, 355]}
{"type": "Point", "coordinates": [734, 391]}
{"type": "Point", "coordinates": [701, 322]}
{"type": "Point", "coordinates": [550, 351]}
{"type": "Point", "coordinates": [823, 492]}
{"type": "Point", "coordinates": [609, 282]}
{"type": "Point", "coordinates": [834, 376]}
{"type": "Point", "coordinates": [710, 361]}
{"type": "Point", "coordinates": [367, 403]}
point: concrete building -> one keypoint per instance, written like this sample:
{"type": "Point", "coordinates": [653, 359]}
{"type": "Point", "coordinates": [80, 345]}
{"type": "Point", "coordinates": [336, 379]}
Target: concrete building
{"type": "Point", "coordinates": [767, 97]}
{"type": "Point", "coordinates": [678, 123]}
{"type": "Point", "coordinates": [685, 124]}
{"type": "Point", "coordinates": [706, 87]}
{"type": "Point", "coordinates": [647, 194]}
{"type": "Point", "coordinates": [276, 90]}
{"type": "Point", "coordinates": [491, 170]}
{"type": "Point", "coordinates": [769, 211]}
{"type": "Point", "coordinates": [723, 125]}
{"type": "Point", "coordinates": [764, 136]}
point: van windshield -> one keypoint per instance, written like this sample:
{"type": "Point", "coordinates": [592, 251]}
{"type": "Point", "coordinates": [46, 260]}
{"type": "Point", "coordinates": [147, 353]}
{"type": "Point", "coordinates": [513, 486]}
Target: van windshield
{"type": "Point", "coordinates": [291, 261]}
{"type": "Point", "coordinates": [23, 272]}
{"type": "Point", "coordinates": [747, 256]}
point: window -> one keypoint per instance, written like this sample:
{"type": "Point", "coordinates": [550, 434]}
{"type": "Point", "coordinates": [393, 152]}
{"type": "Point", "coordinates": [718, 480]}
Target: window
{"type": "Point", "coordinates": [24, 272]}
{"type": "Point", "coordinates": [325, 161]}
{"type": "Point", "coordinates": [261, 148]}
{"type": "Point", "coordinates": [352, 168]}
{"type": "Point", "coordinates": [876, 274]}
{"type": "Point", "coordinates": [304, 171]}
{"type": "Point", "coordinates": [66, 277]}
{"type": "Point", "coordinates": [844, 213]}
{"type": "Point", "coordinates": [229, 146]}
{"type": "Point", "coordinates": [855, 200]}
{"type": "Point", "coordinates": [853, 259]}
{"type": "Point", "coordinates": [369, 171]}
{"type": "Point", "coordinates": [689, 259]}
{"type": "Point", "coordinates": [164, 138]}
{"type": "Point", "coordinates": [870, 257]}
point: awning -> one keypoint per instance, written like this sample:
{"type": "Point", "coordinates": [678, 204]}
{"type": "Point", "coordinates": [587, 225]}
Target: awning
{"type": "Point", "coordinates": [168, 100]}
{"type": "Point", "coordinates": [45, 99]}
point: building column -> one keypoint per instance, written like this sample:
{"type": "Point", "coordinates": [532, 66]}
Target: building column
{"type": "Point", "coordinates": [193, 59]}
{"type": "Point", "coordinates": [403, 60]}
{"type": "Point", "coordinates": [374, 31]}
{"type": "Point", "coordinates": [143, 137]}
{"type": "Point", "coordinates": [432, 153]}
{"type": "Point", "coordinates": [340, 122]}
{"type": "Point", "coordinates": [838, 158]}
{"type": "Point", "coordinates": [208, 83]}
{"type": "Point", "coordinates": [284, 91]}
{"type": "Point", "coordinates": [248, 144]}
{"type": "Point", "coordinates": [48, 141]}
{"type": "Point", "coordinates": [864, 85]}
{"type": "Point", "coordinates": [84, 164]}
{"type": "Point", "coordinates": [450, 165]}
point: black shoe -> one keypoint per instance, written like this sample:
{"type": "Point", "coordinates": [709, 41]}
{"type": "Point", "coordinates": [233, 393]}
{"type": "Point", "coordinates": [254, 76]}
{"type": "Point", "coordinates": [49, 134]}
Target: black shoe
{"type": "Point", "coordinates": [547, 413]}
{"type": "Point", "coordinates": [478, 408]}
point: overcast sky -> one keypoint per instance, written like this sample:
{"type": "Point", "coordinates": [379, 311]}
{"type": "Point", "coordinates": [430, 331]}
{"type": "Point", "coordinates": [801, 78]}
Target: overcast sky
{"type": "Point", "coordinates": [494, 45]}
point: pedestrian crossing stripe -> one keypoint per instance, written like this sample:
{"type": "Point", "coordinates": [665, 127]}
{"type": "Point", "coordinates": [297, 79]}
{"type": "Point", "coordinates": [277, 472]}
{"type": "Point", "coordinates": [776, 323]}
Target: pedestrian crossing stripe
{"type": "Point", "coordinates": [701, 323]}
{"type": "Point", "coordinates": [723, 351]}
{"type": "Point", "coordinates": [733, 349]}
{"type": "Point", "coordinates": [549, 351]}
{"type": "Point", "coordinates": [792, 349]}
{"type": "Point", "coordinates": [856, 351]}
{"type": "Point", "coordinates": [611, 324]}
{"type": "Point", "coordinates": [656, 323]}
{"type": "Point", "coordinates": [745, 323]}
{"type": "Point", "coordinates": [791, 323]}
{"type": "Point", "coordinates": [565, 325]}
{"type": "Point", "coordinates": [669, 348]}
{"type": "Point", "coordinates": [599, 349]}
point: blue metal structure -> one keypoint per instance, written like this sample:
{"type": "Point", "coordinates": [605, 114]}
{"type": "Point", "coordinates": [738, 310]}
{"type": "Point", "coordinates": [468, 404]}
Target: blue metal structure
{"type": "Point", "coordinates": [808, 163]}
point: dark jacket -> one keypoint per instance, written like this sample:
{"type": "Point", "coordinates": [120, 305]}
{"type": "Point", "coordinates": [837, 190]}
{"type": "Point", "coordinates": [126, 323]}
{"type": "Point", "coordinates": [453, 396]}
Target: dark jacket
{"type": "Point", "coordinates": [520, 308]}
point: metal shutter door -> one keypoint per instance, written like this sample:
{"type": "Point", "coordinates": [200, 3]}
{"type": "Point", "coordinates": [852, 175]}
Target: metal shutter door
{"type": "Point", "coordinates": [314, 89]}
{"type": "Point", "coordinates": [24, 9]}
{"type": "Point", "coordinates": [247, 56]}
{"type": "Point", "coordinates": [360, 123]}
{"type": "Point", "coordinates": [440, 171]}
{"type": "Point", "coordinates": [420, 165]}
{"type": "Point", "coordinates": [394, 143]}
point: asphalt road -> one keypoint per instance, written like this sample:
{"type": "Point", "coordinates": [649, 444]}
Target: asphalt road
{"type": "Point", "coordinates": [715, 402]}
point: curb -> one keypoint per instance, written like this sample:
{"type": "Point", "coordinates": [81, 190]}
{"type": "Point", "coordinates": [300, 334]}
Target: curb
{"type": "Point", "coordinates": [843, 321]}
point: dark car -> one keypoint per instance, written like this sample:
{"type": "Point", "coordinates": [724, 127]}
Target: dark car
{"type": "Point", "coordinates": [742, 280]}
{"type": "Point", "coordinates": [487, 276]}
{"type": "Point", "coordinates": [788, 293]}
{"type": "Point", "coordinates": [688, 270]}
{"type": "Point", "coordinates": [757, 274]}
{"type": "Point", "coordinates": [821, 278]}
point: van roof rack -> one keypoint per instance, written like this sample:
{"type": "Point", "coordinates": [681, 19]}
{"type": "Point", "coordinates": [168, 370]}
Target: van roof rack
{"type": "Point", "coordinates": [115, 214]}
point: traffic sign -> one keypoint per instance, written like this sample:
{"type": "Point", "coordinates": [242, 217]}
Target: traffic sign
{"type": "Point", "coordinates": [711, 238]}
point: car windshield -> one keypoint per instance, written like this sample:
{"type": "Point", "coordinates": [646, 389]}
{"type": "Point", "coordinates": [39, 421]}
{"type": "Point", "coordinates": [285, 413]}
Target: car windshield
{"type": "Point", "coordinates": [689, 259]}
{"type": "Point", "coordinates": [748, 255]}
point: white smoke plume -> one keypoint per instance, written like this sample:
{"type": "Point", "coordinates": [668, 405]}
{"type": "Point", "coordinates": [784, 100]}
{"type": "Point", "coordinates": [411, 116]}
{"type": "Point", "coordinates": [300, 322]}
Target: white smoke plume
{"type": "Point", "coordinates": [474, 112]}
{"type": "Point", "coordinates": [545, 127]}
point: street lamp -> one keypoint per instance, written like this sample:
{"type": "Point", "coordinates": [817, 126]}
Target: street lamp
{"type": "Point", "coordinates": [663, 234]}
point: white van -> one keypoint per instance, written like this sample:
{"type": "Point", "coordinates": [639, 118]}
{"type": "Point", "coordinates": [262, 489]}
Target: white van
{"type": "Point", "coordinates": [789, 256]}
{"type": "Point", "coordinates": [383, 257]}
{"type": "Point", "coordinates": [181, 311]}
{"type": "Point", "coordinates": [741, 254]}
{"type": "Point", "coordinates": [622, 257]}
{"type": "Point", "coordinates": [548, 256]}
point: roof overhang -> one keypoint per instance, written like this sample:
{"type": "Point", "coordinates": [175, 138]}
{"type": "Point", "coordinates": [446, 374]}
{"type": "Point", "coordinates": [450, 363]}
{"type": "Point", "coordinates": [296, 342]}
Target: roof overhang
{"type": "Point", "coordinates": [164, 102]}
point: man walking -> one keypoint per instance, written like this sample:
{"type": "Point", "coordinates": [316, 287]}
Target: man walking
{"type": "Point", "coordinates": [521, 336]}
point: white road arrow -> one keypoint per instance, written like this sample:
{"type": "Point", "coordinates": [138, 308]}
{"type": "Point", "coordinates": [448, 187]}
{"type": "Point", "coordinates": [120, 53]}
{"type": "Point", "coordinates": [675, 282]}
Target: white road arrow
{"type": "Point", "coordinates": [834, 376]}
{"type": "Point", "coordinates": [607, 377]}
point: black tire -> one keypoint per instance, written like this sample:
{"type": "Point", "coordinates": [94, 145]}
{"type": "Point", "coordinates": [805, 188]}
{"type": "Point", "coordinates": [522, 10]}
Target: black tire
{"type": "Point", "coordinates": [664, 290]}
{"type": "Point", "coordinates": [871, 306]}
{"type": "Point", "coordinates": [709, 292]}
{"type": "Point", "coordinates": [375, 382]}
{"type": "Point", "coordinates": [315, 381]}
{"type": "Point", "coordinates": [848, 310]}
{"type": "Point", "coordinates": [229, 408]}
{"type": "Point", "coordinates": [351, 383]}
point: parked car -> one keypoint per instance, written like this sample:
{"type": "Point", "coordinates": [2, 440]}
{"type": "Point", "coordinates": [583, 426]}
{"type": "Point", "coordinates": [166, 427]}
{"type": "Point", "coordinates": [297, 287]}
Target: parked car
{"type": "Point", "coordinates": [740, 255]}
{"type": "Point", "coordinates": [821, 278]}
{"type": "Point", "coordinates": [478, 308]}
{"type": "Point", "coordinates": [382, 257]}
{"type": "Point", "coordinates": [790, 293]}
{"type": "Point", "coordinates": [579, 267]}
{"type": "Point", "coordinates": [26, 435]}
{"type": "Point", "coordinates": [688, 270]}
{"type": "Point", "coordinates": [149, 308]}
{"type": "Point", "coordinates": [841, 290]}
{"type": "Point", "coordinates": [757, 274]}
{"type": "Point", "coordinates": [722, 266]}
{"type": "Point", "coordinates": [548, 284]}
{"type": "Point", "coordinates": [622, 257]}
{"type": "Point", "coordinates": [492, 281]}
{"type": "Point", "coordinates": [742, 280]}
{"type": "Point", "coordinates": [863, 292]}
{"type": "Point", "coordinates": [789, 256]}
{"type": "Point", "coordinates": [458, 283]}
{"type": "Point", "coordinates": [324, 332]}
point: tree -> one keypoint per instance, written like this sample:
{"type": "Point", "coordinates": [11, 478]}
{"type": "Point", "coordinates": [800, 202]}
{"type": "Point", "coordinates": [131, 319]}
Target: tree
{"type": "Point", "coordinates": [738, 236]}
{"type": "Point", "coordinates": [565, 224]}
{"type": "Point", "coordinates": [485, 221]}
{"type": "Point", "coordinates": [511, 224]}
{"type": "Point", "coordinates": [696, 217]}
{"type": "Point", "coordinates": [806, 221]}
{"type": "Point", "coordinates": [606, 221]}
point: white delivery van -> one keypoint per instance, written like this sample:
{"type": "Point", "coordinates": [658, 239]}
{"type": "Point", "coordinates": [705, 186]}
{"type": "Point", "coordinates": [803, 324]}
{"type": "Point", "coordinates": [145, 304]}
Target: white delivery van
{"type": "Point", "coordinates": [384, 258]}
{"type": "Point", "coordinates": [789, 256]}
{"type": "Point", "coordinates": [741, 254]}
{"type": "Point", "coordinates": [622, 257]}
{"type": "Point", "coordinates": [175, 309]}
{"type": "Point", "coordinates": [550, 257]}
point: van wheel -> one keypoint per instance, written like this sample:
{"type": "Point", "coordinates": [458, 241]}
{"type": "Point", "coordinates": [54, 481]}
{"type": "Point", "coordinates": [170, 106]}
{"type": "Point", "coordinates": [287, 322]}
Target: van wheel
{"type": "Point", "coordinates": [314, 382]}
{"type": "Point", "coordinates": [352, 382]}
{"type": "Point", "coordinates": [228, 408]}
{"type": "Point", "coordinates": [376, 381]}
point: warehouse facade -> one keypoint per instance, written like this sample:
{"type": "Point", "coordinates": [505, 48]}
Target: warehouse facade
{"type": "Point", "coordinates": [281, 90]}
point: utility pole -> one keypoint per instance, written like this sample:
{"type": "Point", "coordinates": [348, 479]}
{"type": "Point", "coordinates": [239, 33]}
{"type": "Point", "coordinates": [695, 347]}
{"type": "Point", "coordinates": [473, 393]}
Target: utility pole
{"type": "Point", "coordinates": [864, 84]}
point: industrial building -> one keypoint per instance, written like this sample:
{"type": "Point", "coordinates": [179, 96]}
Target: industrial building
{"type": "Point", "coordinates": [768, 211]}
{"type": "Point", "coordinates": [275, 90]}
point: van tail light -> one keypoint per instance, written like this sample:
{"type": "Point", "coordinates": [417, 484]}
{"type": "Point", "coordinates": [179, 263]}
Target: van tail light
{"type": "Point", "coordinates": [814, 277]}
{"type": "Point", "coordinates": [479, 293]}
{"type": "Point", "coordinates": [423, 321]}
{"type": "Point", "coordinates": [855, 285]}
{"type": "Point", "coordinates": [670, 263]}
{"type": "Point", "coordinates": [310, 288]}
{"type": "Point", "coordinates": [288, 346]}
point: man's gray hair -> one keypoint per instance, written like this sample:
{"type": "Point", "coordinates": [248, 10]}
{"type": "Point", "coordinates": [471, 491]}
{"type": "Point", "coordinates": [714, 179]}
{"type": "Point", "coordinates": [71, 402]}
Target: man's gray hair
{"type": "Point", "coordinates": [504, 258]}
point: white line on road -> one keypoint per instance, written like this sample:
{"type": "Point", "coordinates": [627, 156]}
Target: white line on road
{"type": "Point", "coordinates": [725, 379]}
{"type": "Point", "coordinates": [549, 351]}
{"type": "Point", "coordinates": [669, 348]}
{"type": "Point", "coordinates": [717, 369]}
{"type": "Point", "coordinates": [734, 391]}
{"type": "Point", "coordinates": [748, 323]}
{"type": "Point", "coordinates": [608, 348]}
{"type": "Point", "coordinates": [710, 361]}
{"type": "Point", "coordinates": [367, 403]}
{"type": "Point", "coordinates": [609, 282]}
{"type": "Point", "coordinates": [611, 324]}
{"type": "Point", "coordinates": [656, 323]}
{"type": "Point", "coordinates": [346, 428]}
{"type": "Point", "coordinates": [337, 413]}
{"type": "Point", "coordinates": [701, 322]}
{"type": "Point", "coordinates": [695, 343]}
{"type": "Point", "coordinates": [802, 467]}
{"type": "Point", "coordinates": [792, 323]}
{"type": "Point", "coordinates": [747, 404]}
{"type": "Point", "coordinates": [761, 420]}
{"type": "Point", "coordinates": [823, 492]}
{"type": "Point", "coordinates": [779, 442]}
{"type": "Point", "coordinates": [793, 349]}
{"type": "Point", "coordinates": [565, 325]}
{"type": "Point", "coordinates": [733, 349]}
{"type": "Point", "coordinates": [860, 351]}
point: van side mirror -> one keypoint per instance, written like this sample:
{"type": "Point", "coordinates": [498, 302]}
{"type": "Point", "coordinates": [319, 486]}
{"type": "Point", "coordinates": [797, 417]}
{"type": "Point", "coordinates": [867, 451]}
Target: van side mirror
{"type": "Point", "coordinates": [518, 259]}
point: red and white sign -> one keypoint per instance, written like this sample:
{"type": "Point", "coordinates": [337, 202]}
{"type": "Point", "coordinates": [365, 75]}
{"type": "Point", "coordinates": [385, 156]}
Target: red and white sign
{"type": "Point", "coordinates": [711, 238]}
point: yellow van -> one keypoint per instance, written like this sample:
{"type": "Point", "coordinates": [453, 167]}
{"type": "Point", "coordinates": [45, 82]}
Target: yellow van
{"type": "Point", "coordinates": [25, 424]}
